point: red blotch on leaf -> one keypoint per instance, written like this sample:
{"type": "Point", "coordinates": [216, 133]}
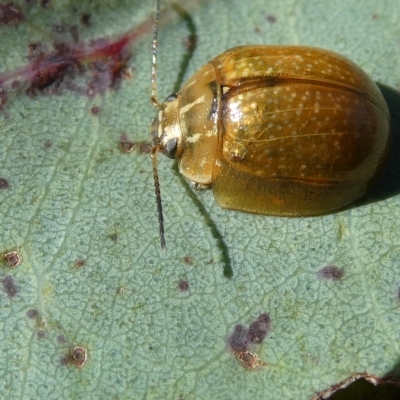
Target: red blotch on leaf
{"type": "Point", "coordinates": [11, 14]}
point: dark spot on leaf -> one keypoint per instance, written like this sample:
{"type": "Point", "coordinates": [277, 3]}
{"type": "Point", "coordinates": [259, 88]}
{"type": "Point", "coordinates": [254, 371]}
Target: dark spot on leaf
{"type": "Point", "coordinates": [242, 337]}
{"type": "Point", "coordinates": [114, 237]}
{"type": "Point", "coordinates": [77, 356]}
{"type": "Point", "coordinates": [41, 334]}
{"type": "Point", "coordinates": [375, 17]}
{"type": "Point", "coordinates": [95, 110]}
{"type": "Point", "coordinates": [9, 286]}
{"type": "Point", "coordinates": [239, 340]}
{"type": "Point", "coordinates": [48, 144]}
{"type": "Point", "coordinates": [188, 260]}
{"type": "Point", "coordinates": [11, 14]}
{"type": "Point", "coordinates": [4, 184]}
{"type": "Point", "coordinates": [3, 98]}
{"type": "Point", "coordinates": [183, 286]}
{"type": "Point", "coordinates": [45, 3]}
{"type": "Point", "coordinates": [61, 339]}
{"type": "Point", "coordinates": [257, 29]}
{"type": "Point", "coordinates": [331, 272]}
{"type": "Point", "coordinates": [85, 19]}
{"type": "Point", "coordinates": [32, 313]}
{"type": "Point", "coordinates": [271, 19]}
{"type": "Point", "coordinates": [127, 147]}
{"type": "Point", "coordinates": [74, 33]}
{"type": "Point", "coordinates": [64, 360]}
{"type": "Point", "coordinates": [259, 329]}
{"type": "Point", "coordinates": [12, 259]}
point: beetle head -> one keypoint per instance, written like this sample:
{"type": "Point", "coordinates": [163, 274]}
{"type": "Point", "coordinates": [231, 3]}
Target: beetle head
{"type": "Point", "coordinates": [165, 129]}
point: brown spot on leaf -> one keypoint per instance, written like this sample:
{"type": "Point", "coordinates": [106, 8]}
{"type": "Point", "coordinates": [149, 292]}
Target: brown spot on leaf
{"type": "Point", "coordinates": [12, 259]}
{"type": "Point", "coordinates": [249, 360]}
{"type": "Point", "coordinates": [80, 263]}
{"type": "Point", "coordinates": [79, 356]}
{"type": "Point", "coordinates": [95, 110]}
{"type": "Point", "coordinates": [188, 260]}
{"type": "Point", "coordinates": [125, 145]}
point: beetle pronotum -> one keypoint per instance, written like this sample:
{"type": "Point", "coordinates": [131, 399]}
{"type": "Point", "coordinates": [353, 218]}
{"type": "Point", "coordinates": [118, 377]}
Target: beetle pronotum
{"type": "Point", "coordinates": [276, 130]}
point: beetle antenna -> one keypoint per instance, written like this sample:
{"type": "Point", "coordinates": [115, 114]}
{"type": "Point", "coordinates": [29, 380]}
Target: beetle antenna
{"type": "Point", "coordinates": [154, 152]}
{"type": "Point", "coordinates": [154, 56]}
{"type": "Point", "coordinates": [155, 102]}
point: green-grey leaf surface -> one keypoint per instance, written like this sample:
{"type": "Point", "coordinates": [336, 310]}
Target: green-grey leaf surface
{"type": "Point", "coordinates": [74, 196]}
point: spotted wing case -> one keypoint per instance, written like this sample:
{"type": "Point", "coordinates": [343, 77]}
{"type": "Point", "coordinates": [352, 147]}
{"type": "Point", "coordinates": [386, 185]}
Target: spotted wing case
{"type": "Point", "coordinates": [302, 131]}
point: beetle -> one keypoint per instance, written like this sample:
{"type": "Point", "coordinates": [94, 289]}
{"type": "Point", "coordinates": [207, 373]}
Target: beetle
{"type": "Point", "coordinates": [275, 130]}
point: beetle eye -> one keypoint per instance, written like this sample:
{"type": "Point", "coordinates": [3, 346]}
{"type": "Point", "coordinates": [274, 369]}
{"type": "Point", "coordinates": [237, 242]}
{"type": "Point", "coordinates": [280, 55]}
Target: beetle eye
{"type": "Point", "coordinates": [171, 147]}
{"type": "Point", "coordinates": [171, 97]}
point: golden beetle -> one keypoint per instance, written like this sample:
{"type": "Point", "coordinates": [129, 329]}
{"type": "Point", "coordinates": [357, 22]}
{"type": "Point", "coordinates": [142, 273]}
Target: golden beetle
{"type": "Point", "coordinates": [277, 130]}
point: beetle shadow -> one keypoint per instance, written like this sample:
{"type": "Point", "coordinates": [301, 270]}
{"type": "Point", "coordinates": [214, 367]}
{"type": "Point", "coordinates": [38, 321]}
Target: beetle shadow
{"type": "Point", "coordinates": [227, 271]}
{"type": "Point", "coordinates": [190, 42]}
{"type": "Point", "coordinates": [389, 185]}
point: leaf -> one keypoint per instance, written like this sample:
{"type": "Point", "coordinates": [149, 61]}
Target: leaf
{"type": "Point", "coordinates": [81, 214]}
